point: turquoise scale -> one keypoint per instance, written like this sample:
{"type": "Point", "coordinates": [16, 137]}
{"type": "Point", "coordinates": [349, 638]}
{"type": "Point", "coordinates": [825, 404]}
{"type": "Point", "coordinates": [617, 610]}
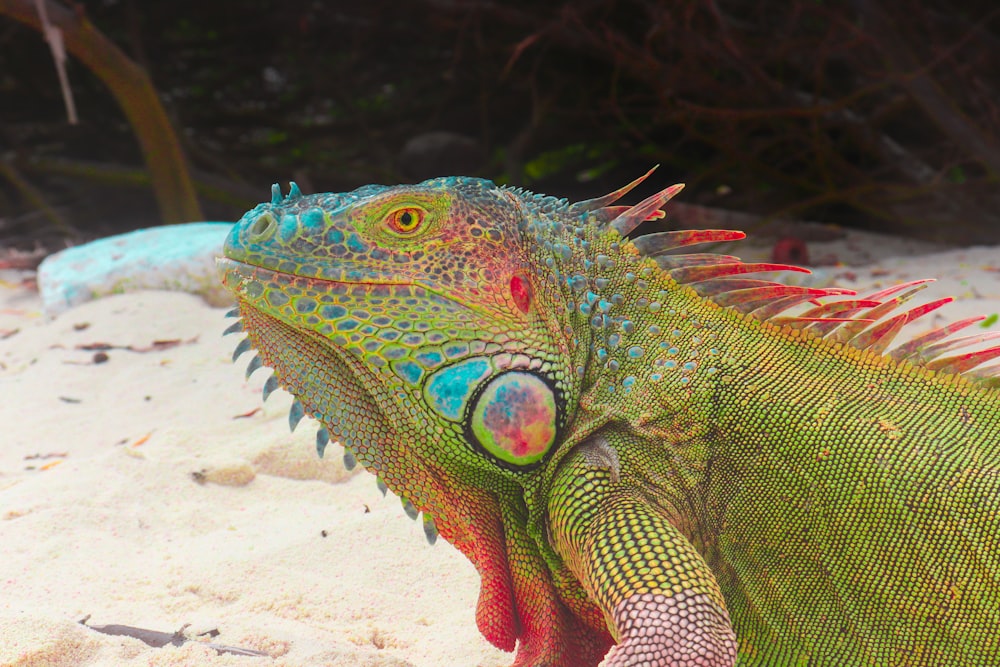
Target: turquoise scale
{"type": "Point", "coordinates": [512, 416]}
{"type": "Point", "coordinates": [449, 390]}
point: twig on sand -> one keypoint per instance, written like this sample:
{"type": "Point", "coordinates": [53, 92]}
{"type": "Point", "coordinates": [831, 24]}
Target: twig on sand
{"type": "Point", "coordinates": [158, 639]}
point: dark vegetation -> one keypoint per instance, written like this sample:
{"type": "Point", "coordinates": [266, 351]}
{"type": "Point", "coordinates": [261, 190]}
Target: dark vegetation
{"type": "Point", "coordinates": [884, 115]}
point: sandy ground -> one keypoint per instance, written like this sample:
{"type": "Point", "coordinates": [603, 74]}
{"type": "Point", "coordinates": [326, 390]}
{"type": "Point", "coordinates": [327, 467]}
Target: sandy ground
{"type": "Point", "coordinates": [134, 492]}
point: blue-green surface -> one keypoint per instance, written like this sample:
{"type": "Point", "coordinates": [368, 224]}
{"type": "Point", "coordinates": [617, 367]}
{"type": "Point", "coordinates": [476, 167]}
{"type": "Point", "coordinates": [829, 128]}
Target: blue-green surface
{"type": "Point", "coordinates": [173, 257]}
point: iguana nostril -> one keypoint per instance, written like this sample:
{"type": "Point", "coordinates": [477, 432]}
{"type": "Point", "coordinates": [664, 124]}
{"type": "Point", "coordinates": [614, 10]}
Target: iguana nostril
{"type": "Point", "coordinates": [263, 227]}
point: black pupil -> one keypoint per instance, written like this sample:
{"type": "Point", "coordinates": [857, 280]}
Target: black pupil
{"type": "Point", "coordinates": [405, 219]}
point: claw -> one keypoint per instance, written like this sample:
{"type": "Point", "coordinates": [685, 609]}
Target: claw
{"type": "Point", "coordinates": [235, 327]}
{"type": "Point", "coordinates": [349, 461]}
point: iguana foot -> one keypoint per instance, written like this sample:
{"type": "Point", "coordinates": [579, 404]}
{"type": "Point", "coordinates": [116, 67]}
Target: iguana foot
{"type": "Point", "coordinates": [683, 630]}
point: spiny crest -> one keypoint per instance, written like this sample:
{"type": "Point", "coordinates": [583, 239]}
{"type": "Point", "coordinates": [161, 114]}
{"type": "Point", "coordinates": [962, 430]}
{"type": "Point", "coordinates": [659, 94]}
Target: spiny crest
{"type": "Point", "coordinates": [866, 323]}
{"type": "Point", "coordinates": [293, 193]}
{"type": "Point", "coordinates": [543, 203]}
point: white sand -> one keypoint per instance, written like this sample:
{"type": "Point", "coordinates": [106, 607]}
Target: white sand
{"type": "Point", "coordinates": [100, 514]}
{"type": "Point", "coordinates": [121, 531]}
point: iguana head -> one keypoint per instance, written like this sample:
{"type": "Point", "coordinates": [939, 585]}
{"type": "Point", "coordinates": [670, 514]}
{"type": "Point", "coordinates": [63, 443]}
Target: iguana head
{"type": "Point", "coordinates": [426, 295]}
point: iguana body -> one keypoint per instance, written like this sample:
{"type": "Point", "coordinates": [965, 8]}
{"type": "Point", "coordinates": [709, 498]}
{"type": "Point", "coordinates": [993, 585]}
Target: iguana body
{"type": "Point", "coordinates": [628, 442]}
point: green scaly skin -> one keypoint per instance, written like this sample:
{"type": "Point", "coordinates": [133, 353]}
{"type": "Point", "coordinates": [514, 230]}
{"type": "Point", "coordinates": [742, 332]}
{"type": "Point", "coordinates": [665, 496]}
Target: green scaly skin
{"type": "Point", "coordinates": [639, 474]}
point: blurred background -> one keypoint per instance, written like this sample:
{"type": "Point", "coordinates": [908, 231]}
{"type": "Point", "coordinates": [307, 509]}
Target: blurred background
{"type": "Point", "coordinates": [877, 115]}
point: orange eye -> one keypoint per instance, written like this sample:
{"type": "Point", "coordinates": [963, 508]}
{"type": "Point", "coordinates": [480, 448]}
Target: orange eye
{"type": "Point", "coordinates": [406, 220]}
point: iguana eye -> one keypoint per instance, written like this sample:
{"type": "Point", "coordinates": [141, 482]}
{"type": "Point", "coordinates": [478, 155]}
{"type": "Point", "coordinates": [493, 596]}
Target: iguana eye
{"type": "Point", "coordinates": [406, 220]}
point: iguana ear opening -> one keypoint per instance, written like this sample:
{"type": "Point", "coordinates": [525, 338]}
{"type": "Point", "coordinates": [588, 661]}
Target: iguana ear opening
{"type": "Point", "coordinates": [520, 291]}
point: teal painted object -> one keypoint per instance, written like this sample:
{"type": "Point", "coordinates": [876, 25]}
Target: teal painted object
{"type": "Point", "coordinates": [174, 257]}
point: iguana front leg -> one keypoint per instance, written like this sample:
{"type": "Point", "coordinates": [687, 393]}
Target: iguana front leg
{"type": "Point", "coordinates": [659, 598]}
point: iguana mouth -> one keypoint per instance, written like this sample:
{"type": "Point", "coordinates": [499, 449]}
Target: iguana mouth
{"type": "Point", "coordinates": [230, 268]}
{"type": "Point", "coordinates": [250, 281]}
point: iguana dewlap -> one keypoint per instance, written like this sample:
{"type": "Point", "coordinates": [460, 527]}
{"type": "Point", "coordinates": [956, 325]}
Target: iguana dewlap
{"type": "Point", "coordinates": [650, 458]}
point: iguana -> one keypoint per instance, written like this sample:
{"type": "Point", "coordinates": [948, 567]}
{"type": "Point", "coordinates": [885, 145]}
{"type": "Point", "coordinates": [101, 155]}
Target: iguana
{"type": "Point", "coordinates": [650, 458]}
